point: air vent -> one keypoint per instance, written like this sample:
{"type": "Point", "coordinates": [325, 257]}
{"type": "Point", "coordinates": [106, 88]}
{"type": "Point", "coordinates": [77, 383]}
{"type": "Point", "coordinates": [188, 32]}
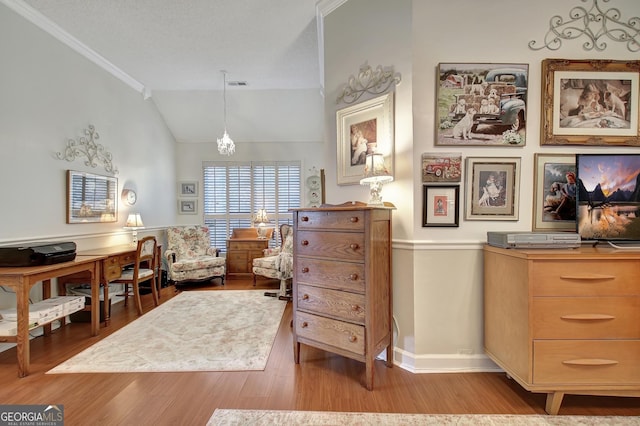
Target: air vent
{"type": "Point", "coordinates": [237, 83]}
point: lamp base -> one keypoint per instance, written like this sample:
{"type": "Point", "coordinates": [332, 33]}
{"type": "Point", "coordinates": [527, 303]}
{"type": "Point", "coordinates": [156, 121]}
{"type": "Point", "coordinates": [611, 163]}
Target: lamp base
{"type": "Point", "coordinates": [375, 194]}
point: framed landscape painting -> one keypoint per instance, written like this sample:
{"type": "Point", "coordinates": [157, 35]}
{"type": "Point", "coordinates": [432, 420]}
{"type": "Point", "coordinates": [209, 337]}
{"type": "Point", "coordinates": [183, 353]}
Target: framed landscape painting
{"type": "Point", "coordinates": [481, 104]}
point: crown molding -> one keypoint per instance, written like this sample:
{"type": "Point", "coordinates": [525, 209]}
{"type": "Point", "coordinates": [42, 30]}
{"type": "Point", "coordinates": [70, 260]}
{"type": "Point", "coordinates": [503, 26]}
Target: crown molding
{"type": "Point", "coordinates": [45, 24]}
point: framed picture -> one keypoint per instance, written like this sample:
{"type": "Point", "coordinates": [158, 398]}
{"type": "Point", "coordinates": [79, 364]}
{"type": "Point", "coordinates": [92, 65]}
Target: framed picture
{"type": "Point", "coordinates": [481, 104]}
{"type": "Point", "coordinates": [492, 190]}
{"type": "Point", "coordinates": [554, 192]}
{"type": "Point", "coordinates": [590, 102]}
{"type": "Point", "coordinates": [441, 167]}
{"type": "Point", "coordinates": [440, 206]}
{"type": "Point", "coordinates": [188, 206]}
{"type": "Point", "coordinates": [188, 189]}
{"type": "Point", "coordinates": [363, 129]}
{"type": "Point", "coordinates": [91, 198]}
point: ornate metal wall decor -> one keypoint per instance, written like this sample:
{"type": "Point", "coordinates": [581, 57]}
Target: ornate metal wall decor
{"type": "Point", "coordinates": [596, 24]}
{"type": "Point", "coordinates": [87, 147]}
{"type": "Point", "coordinates": [368, 80]}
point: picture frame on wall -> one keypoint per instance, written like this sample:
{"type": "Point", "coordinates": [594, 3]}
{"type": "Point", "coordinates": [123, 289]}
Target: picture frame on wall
{"type": "Point", "coordinates": [188, 189]}
{"type": "Point", "coordinates": [440, 205]}
{"type": "Point", "coordinates": [441, 167]}
{"type": "Point", "coordinates": [188, 206]}
{"type": "Point", "coordinates": [553, 204]}
{"type": "Point", "coordinates": [481, 104]}
{"type": "Point", "coordinates": [492, 188]}
{"type": "Point", "coordinates": [363, 129]}
{"type": "Point", "coordinates": [590, 102]}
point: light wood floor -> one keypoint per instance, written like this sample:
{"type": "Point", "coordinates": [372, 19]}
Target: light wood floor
{"type": "Point", "coordinates": [322, 381]}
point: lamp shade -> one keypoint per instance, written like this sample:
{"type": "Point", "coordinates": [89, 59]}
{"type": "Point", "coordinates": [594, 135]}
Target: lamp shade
{"type": "Point", "coordinates": [261, 217]}
{"type": "Point", "coordinates": [375, 169]}
{"type": "Point", "coordinates": [134, 221]}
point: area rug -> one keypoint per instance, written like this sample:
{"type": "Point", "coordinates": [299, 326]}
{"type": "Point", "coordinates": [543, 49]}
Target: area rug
{"type": "Point", "coordinates": [230, 330]}
{"type": "Point", "coordinates": [275, 417]}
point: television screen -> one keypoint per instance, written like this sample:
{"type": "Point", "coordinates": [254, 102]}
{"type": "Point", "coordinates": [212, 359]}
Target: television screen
{"type": "Point", "coordinates": [608, 197]}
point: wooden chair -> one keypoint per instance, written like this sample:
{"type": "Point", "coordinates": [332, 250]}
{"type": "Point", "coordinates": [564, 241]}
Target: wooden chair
{"type": "Point", "coordinates": [144, 269]}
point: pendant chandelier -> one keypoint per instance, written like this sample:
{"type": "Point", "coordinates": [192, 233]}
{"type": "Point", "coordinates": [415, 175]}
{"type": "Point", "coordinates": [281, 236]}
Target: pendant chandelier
{"type": "Point", "coordinates": [225, 144]}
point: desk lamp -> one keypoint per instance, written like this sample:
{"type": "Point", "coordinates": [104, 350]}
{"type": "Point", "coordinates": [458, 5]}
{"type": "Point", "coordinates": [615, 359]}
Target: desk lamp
{"type": "Point", "coordinates": [261, 219]}
{"type": "Point", "coordinates": [134, 222]}
{"type": "Point", "coordinates": [375, 174]}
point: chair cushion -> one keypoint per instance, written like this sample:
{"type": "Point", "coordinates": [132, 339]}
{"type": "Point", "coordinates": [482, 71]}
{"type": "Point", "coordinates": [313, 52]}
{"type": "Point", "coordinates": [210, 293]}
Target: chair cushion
{"type": "Point", "coordinates": [268, 262]}
{"type": "Point", "coordinates": [127, 274]}
{"type": "Point", "coordinates": [199, 262]}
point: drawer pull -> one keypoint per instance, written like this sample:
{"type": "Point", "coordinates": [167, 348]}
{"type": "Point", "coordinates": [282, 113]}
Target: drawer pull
{"type": "Point", "coordinates": [354, 219]}
{"type": "Point", "coordinates": [305, 269]}
{"type": "Point", "coordinates": [355, 308]}
{"type": "Point", "coordinates": [353, 338]}
{"type": "Point", "coordinates": [588, 317]}
{"type": "Point", "coordinates": [304, 242]}
{"type": "Point", "coordinates": [590, 361]}
{"type": "Point", "coordinates": [304, 218]}
{"type": "Point", "coordinates": [304, 324]}
{"type": "Point", "coordinates": [588, 277]}
{"type": "Point", "coordinates": [305, 297]}
{"type": "Point", "coordinates": [353, 277]}
{"type": "Point", "coordinates": [354, 246]}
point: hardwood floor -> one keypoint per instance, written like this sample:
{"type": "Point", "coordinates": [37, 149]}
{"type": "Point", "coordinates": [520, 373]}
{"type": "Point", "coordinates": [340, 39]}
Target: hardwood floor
{"type": "Point", "coordinates": [322, 381]}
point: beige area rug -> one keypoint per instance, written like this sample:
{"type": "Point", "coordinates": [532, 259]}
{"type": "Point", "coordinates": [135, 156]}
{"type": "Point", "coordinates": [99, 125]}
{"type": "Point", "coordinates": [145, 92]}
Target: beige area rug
{"type": "Point", "coordinates": [274, 417]}
{"type": "Point", "coordinates": [230, 330]}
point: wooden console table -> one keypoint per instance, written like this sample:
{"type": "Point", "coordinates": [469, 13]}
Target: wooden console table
{"type": "Point", "coordinates": [244, 246]}
{"type": "Point", "coordinates": [564, 321]}
{"type": "Point", "coordinates": [22, 279]}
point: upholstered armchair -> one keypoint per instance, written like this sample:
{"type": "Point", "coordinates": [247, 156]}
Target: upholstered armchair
{"type": "Point", "coordinates": [190, 257]}
{"type": "Point", "coordinates": [277, 263]}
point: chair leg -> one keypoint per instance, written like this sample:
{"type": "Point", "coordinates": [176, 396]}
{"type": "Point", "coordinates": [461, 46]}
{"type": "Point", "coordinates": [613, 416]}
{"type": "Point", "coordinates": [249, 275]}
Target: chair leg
{"type": "Point", "coordinates": [136, 297]}
{"type": "Point", "coordinates": [126, 293]}
{"type": "Point", "coordinates": [154, 291]}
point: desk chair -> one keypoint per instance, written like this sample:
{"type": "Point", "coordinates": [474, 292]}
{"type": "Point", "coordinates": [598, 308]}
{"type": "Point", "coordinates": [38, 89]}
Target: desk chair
{"type": "Point", "coordinates": [144, 269]}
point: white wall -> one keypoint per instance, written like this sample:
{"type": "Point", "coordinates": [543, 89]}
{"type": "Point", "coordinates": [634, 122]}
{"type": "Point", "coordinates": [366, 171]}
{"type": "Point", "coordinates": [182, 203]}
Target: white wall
{"type": "Point", "coordinates": [438, 271]}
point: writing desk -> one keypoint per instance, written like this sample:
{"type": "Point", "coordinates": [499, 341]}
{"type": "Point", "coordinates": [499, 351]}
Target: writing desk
{"type": "Point", "coordinates": [22, 279]}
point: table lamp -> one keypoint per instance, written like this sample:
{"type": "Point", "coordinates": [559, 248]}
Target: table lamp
{"type": "Point", "coordinates": [261, 219]}
{"type": "Point", "coordinates": [375, 174]}
{"type": "Point", "coordinates": [134, 222]}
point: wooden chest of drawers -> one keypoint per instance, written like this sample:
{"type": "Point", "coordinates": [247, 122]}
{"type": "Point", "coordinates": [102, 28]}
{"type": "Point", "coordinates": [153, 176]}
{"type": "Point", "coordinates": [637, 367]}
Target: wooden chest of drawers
{"type": "Point", "coordinates": [342, 282]}
{"type": "Point", "coordinates": [564, 321]}
{"type": "Point", "coordinates": [241, 252]}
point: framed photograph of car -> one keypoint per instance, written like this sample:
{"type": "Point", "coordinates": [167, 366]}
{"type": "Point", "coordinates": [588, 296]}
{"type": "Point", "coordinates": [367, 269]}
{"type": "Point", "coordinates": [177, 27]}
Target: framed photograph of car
{"type": "Point", "coordinates": [481, 104]}
{"type": "Point", "coordinates": [492, 190]}
{"type": "Point", "coordinates": [554, 202]}
{"type": "Point", "coordinates": [590, 102]}
{"type": "Point", "coordinates": [441, 167]}
{"type": "Point", "coordinates": [441, 205]}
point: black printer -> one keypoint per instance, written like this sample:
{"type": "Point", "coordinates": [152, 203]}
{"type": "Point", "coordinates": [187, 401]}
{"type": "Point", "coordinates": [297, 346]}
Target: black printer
{"type": "Point", "coordinates": [35, 254]}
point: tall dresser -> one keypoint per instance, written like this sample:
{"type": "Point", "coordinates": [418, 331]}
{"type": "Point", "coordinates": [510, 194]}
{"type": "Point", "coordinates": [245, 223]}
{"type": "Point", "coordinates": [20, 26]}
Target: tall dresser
{"type": "Point", "coordinates": [564, 321]}
{"type": "Point", "coordinates": [342, 282]}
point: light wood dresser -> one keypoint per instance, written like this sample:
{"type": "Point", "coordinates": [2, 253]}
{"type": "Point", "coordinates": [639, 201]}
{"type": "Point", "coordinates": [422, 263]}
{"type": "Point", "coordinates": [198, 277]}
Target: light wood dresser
{"type": "Point", "coordinates": [564, 321]}
{"type": "Point", "coordinates": [244, 246]}
{"type": "Point", "coordinates": [342, 282]}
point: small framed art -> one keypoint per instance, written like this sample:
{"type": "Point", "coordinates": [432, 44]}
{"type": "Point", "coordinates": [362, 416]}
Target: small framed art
{"type": "Point", "coordinates": [188, 206]}
{"type": "Point", "coordinates": [554, 207]}
{"type": "Point", "coordinates": [188, 189]}
{"type": "Point", "coordinates": [441, 167]}
{"type": "Point", "coordinates": [492, 190]}
{"type": "Point", "coordinates": [440, 205]}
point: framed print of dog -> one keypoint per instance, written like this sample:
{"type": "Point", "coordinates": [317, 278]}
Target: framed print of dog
{"type": "Point", "coordinates": [590, 102]}
{"type": "Point", "coordinates": [492, 188]}
{"type": "Point", "coordinates": [481, 104]}
{"type": "Point", "coordinates": [363, 129]}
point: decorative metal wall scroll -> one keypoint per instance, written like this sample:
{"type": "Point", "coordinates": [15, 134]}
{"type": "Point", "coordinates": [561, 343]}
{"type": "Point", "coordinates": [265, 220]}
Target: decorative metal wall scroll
{"type": "Point", "coordinates": [596, 24]}
{"type": "Point", "coordinates": [86, 146]}
{"type": "Point", "coordinates": [370, 81]}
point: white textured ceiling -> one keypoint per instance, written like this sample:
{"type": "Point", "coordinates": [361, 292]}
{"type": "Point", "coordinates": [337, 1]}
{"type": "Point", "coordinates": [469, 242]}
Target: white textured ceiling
{"type": "Point", "coordinates": [176, 49]}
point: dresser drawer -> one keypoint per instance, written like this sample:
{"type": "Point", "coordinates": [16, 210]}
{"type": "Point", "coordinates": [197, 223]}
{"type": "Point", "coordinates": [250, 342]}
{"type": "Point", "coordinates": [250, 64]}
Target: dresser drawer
{"type": "Point", "coordinates": [331, 332]}
{"type": "Point", "coordinates": [246, 245]}
{"type": "Point", "coordinates": [334, 303]}
{"type": "Point", "coordinates": [331, 274]}
{"type": "Point", "coordinates": [338, 220]}
{"type": "Point", "coordinates": [337, 245]}
{"type": "Point", "coordinates": [586, 317]}
{"type": "Point", "coordinates": [604, 277]}
{"type": "Point", "coordinates": [586, 362]}
{"type": "Point", "coordinates": [111, 268]}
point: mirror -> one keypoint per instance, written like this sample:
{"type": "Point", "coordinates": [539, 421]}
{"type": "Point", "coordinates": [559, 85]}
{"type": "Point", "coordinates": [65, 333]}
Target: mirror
{"type": "Point", "coordinates": [91, 198]}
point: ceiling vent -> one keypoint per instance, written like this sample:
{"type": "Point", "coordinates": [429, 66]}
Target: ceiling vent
{"type": "Point", "coordinates": [237, 83]}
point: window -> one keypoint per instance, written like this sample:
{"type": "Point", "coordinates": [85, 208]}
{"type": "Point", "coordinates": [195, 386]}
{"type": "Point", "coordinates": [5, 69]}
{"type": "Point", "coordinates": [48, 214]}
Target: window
{"type": "Point", "coordinates": [234, 191]}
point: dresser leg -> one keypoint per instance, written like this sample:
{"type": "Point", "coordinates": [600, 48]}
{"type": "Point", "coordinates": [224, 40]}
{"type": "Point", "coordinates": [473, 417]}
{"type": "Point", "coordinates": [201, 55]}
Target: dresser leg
{"type": "Point", "coordinates": [554, 399]}
{"type": "Point", "coordinates": [296, 352]}
{"type": "Point", "coordinates": [369, 375]}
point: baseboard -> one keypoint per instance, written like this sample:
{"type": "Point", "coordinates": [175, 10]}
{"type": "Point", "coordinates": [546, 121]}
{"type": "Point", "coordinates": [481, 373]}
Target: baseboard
{"type": "Point", "coordinates": [444, 363]}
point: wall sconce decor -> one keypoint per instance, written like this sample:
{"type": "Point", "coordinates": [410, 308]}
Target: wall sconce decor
{"type": "Point", "coordinates": [87, 147]}
{"type": "Point", "coordinates": [375, 175]}
{"type": "Point", "coordinates": [370, 81]}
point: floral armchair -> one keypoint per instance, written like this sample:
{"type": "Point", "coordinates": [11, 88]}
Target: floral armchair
{"type": "Point", "coordinates": [190, 257]}
{"type": "Point", "coordinates": [278, 262]}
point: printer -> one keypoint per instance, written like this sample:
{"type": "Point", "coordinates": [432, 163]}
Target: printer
{"type": "Point", "coordinates": [35, 254]}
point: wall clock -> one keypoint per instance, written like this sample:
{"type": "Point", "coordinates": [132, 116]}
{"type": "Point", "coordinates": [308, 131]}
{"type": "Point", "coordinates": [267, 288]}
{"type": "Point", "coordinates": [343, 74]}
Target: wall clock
{"type": "Point", "coordinates": [129, 196]}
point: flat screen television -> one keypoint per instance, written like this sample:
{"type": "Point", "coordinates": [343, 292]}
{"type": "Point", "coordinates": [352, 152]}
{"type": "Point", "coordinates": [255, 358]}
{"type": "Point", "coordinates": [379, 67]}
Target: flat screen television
{"type": "Point", "coordinates": [608, 198]}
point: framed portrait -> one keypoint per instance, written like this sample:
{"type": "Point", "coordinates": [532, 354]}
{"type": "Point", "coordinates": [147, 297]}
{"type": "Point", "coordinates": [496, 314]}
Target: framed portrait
{"type": "Point", "coordinates": [440, 205]}
{"type": "Point", "coordinates": [492, 190]}
{"type": "Point", "coordinates": [481, 104]}
{"type": "Point", "coordinates": [441, 167]}
{"type": "Point", "coordinates": [188, 189]}
{"type": "Point", "coordinates": [590, 102]}
{"type": "Point", "coordinates": [554, 203]}
{"type": "Point", "coordinates": [363, 129]}
{"type": "Point", "coordinates": [188, 206]}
